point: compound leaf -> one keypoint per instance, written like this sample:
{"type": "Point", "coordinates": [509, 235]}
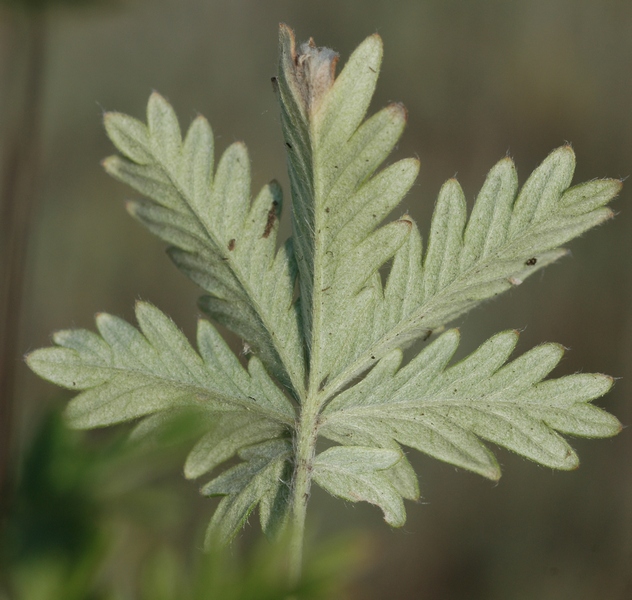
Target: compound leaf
{"type": "Point", "coordinates": [366, 291]}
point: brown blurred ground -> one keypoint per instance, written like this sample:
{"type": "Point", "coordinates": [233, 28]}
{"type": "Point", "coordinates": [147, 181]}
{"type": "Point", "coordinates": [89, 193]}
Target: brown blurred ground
{"type": "Point", "coordinates": [479, 79]}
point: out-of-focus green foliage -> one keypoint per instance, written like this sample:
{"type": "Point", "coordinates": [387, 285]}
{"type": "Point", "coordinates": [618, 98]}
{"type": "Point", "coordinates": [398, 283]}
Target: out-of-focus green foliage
{"type": "Point", "coordinates": [259, 576]}
{"type": "Point", "coordinates": [54, 542]}
{"type": "Point", "coordinates": [60, 538]}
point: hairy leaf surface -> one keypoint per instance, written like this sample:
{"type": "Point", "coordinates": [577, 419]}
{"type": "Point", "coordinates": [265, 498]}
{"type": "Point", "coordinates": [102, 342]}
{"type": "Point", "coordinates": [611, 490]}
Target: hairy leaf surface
{"type": "Point", "coordinates": [337, 204]}
{"type": "Point", "coordinates": [506, 239]}
{"type": "Point", "coordinates": [328, 314]}
{"type": "Point", "coordinates": [446, 412]}
{"type": "Point", "coordinates": [357, 474]}
{"type": "Point", "coordinates": [218, 237]}
{"type": "Point", "coordinates": [260, 480]}
{"type": "Point", "coordinates": [125, 374]}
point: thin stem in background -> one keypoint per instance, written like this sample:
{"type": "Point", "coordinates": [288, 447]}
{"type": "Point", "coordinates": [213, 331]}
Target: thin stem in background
{"type": "Point", "coordinates": [17, 203]}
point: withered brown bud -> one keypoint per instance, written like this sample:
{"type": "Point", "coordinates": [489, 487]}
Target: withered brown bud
{"type": "Point", "coordinates": [312, 70]}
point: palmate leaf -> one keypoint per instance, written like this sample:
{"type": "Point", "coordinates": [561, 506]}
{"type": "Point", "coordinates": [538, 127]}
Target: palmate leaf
{"type": "Point", "coordinates": [446, 412]}
{"type": "Point", "coordinates": [124, 374]}
{"type": "Point", "coordinates": [219, 238]}
{"type": "Point", "coordinates": [336, 349]}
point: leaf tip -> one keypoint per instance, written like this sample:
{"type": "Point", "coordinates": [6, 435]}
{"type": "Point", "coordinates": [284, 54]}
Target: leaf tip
{"type": "Point", "coordinates": [108, 117]}
{"type": "Point", "coordinates": [617, 185]}
{"type": "Point", "coordinates": [157, 98]}
{"type": "Point", "coordinates": [143, 309]}
{"type": "Point", "coordinates": [571, 460]}
{"type": "Point", "coordinates": [398, 110]}
{"type": "Point", "coordinates": [29, 360]}
{"type": "Point", "coordinates": [102, 319]}
{"type": "Point", "coordinates": [407, 221]}
{"type": "Point", "coordinates": [286, 31]}
{"type": "Point", "coordinates": [131, 206]}
{"type": "Point", "coordinates": [565, 153]}
{"type": "Point", "coordinates": [493, 473]}
{"type": "Point", "coordinates": [108, 163]}
{"type": "Point", "coordinates": [608, 382]}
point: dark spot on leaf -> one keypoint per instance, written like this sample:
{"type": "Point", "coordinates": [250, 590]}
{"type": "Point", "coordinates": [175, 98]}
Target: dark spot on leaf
{"type": "Point", "coordinates": [231, 245]}
{"type": "Point", "coordinates": [372, 357]}
{"type": "Point", "coordinates": [428, 334]}
{"type": "Point", "coordinates": [288, 145]}
{"type": "Point", "coordinates": [271, 219]}
{"type": "Point", "coordinates": [531, 262]}
{"type": "Point", "coordinates": [326, 209]}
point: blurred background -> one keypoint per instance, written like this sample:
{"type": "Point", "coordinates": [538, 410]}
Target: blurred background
{"type": "Point", "coordinates": [480, 79]}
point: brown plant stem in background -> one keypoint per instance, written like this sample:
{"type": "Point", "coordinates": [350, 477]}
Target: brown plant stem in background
{"type": "Point", "coordinates": [17, 202]}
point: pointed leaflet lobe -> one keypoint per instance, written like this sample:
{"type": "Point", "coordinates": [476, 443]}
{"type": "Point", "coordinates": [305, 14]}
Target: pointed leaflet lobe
{"type": "Point", "coordinates": [357, 474]}
{"type": "Point", "coordinates": [219, 238]}
{"type": "Point", "coordinates": [260, 480]}
{"type": "Point", "coordinates": [446, 412]}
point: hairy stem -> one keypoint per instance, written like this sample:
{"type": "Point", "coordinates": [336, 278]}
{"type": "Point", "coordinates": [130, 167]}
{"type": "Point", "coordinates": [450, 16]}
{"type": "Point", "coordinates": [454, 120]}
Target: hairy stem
{"type": "Point", "coordinates": [305, 447]}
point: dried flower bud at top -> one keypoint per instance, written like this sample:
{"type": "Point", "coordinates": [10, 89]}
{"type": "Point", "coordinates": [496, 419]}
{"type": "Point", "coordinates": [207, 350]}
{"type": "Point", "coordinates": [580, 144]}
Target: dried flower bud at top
{"type": "Point", "coordinates": [309, 73]}
{"type": "Point", "coordinates": [315, 71]}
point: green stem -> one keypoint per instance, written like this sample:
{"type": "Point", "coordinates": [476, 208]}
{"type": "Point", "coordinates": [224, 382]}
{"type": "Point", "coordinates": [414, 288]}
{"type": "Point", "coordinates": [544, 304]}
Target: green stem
{"type": "Point", "coordinates": [307, 433]}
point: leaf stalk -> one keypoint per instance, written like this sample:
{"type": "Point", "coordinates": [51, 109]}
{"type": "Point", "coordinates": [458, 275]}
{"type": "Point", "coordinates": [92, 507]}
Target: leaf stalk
{"type": "Point", "coordinates": [305, 450]}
